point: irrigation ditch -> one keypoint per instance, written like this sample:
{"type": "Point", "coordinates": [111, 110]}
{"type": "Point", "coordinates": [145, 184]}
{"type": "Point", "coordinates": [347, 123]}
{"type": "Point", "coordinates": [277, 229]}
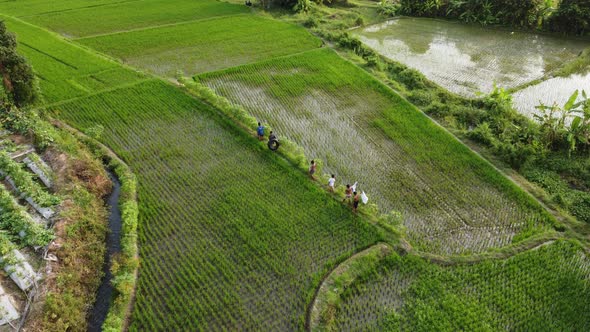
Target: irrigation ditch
{"type": "Point", "coordinates": [117, 311]}
{"type": "Point", "coordinates": [105, 291]}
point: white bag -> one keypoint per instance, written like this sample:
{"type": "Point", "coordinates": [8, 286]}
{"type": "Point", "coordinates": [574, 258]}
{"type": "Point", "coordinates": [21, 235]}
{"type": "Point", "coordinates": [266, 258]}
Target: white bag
{"type": "Point", "coordinates": [364, 198]}
{"type": "Point", "coordinates": [354, 187]}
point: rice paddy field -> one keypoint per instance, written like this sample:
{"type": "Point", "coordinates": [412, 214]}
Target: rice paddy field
{"type": "Point", "coordinates": [544, 289]}
{"type": "Point", "coordinates": [219, 248]}
{"type": "Point", "coordinates": [128, 15]}
{"type": "Point", "coordinates": [554, 90]}
{"type": "Point", "coordinates": [228, 41]}
{"type": "Point", "coordinates": [64, 70]}
{"type": "Point", "coordinates": [235, 237]}
{"type": "Point", "coordinates": [452, 201]}
{"type": "Point", "coordinates": [26, 8]}
{"type": "Point", "coordinates": [468, 60]}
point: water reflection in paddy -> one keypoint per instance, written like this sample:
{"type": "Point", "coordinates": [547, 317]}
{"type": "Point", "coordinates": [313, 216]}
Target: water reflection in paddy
{"type": "Point", "coordinates": [468, 59]}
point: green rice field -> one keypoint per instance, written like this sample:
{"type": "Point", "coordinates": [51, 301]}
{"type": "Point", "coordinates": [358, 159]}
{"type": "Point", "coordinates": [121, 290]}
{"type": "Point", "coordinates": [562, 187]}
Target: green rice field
{"type": "Point", "coordinates": [234, 237]}
{"type": "Point", "coordinates": [220, 249]}
{"type": "Point", "coordinates": [544, 289]}
{"type": "Point", "coordinates": [229, 41]}
{"type": "Point", "coordinates": [451, 200]}
{"type": "Point", "coordinates": [26, 8]}
{"type": "Point", "coordinates": [65, 70]}
{"type": "Point", "coordinates": [127, 15]}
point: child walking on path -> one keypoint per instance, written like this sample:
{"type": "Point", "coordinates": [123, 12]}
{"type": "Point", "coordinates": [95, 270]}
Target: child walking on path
{"type": "Point", "coordinates": [331, 183]}
{"type": "Point", "coordinates": [347, 193]}
{"type": "Point", "coordinates": [312, 169]}
{"type": "Point", "coordinates": [356, 200]}
{"type": "Point", "coordinates": [260, 132]}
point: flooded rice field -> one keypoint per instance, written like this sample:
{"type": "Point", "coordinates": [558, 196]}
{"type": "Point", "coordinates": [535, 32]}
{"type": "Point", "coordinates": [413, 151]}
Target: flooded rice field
{"type": "Point", "coordinates": [554, 90]}
{"type": "Point", "coordinates": [467, 59]}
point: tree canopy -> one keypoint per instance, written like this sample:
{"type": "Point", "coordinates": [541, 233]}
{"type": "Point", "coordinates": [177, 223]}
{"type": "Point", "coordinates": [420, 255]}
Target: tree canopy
{"type": "Point", "coordinates": [18, 78]}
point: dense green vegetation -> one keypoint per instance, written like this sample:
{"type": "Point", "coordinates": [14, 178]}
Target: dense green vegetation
{"type": "Point", "coordinates": [210, 219]}
{"type": "Point", "coordinates": [229, 41]}
{"type": "Point", "coordinates": [565, 16]}
{"type": "Point", "coordinates": [123, 16]}
{"type": "Point", "coordinates": [64, 70]}
{"type": "Point", "coordinates": [24, 182]}
{"type": "Point", "coordinates": [545, 289]}
{"type": "Point", "coordinates": [524, 13]}
{"type": "Point", "coordinates": [364, 132]}
{"type": "Point", "coordinates": [572, 16]}
{"type": "Point", "coordinates": [18, 81]}
{"type": "Point", "coordinates": [16, 221]}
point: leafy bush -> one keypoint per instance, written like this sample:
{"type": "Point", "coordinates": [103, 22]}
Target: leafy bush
{"type": "Point", "coordinates": [572, 16]}
{"type": "Point", "coordinates": [581, 206]}
{"type": "Point", "coordinates": [521, 13]}
{"type": "Point", "coordinates": [422, 7]}
{"type": "Point", "coordinates": [28, 123]}
{"type": "Point", "coordinates": [412, 78]}
{"type": "Point", "coordinates": [25, 183]}
{"type": "Point", "coordinates": [483, 134]}
{"type": "Point", "coordinates": [18, 78]}
{"type": "Point", "coordinates": [420, 98]}
{"type": "Point", "coordinates": [388, 9]}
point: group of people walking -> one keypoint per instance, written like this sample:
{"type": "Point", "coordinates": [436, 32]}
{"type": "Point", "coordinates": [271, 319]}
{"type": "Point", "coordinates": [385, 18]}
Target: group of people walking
{"type": "Point", "coordinates": [350, 193]}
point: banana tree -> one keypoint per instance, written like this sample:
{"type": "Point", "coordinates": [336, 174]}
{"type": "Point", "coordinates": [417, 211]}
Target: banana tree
{"type": "Point", "coordinates": [579, 129]}
{"type": "Point", "coordinates": [567, 125]}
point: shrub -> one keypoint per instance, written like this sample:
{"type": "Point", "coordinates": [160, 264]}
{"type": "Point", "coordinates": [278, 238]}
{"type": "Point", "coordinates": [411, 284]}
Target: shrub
{"type": "Point", "coordinates": [483, 134]}
{"type": "Point", "coordinates": [572, 17]}
{"type": "Point", "coordinates": [420, 97]}
{"type": "Point", "coordinates": [412, 78]}
{"type": "Point", "coordinates": [580, 206]}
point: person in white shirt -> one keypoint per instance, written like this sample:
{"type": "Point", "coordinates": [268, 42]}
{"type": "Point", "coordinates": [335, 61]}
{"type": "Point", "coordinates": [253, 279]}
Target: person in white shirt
{"type": "Point", "coordinates": [331, 183]}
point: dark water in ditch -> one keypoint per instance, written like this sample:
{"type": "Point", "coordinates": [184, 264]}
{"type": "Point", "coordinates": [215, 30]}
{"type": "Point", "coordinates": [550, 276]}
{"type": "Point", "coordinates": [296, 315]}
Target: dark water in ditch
{"type": "Point", "coordinates": [105, 292]}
